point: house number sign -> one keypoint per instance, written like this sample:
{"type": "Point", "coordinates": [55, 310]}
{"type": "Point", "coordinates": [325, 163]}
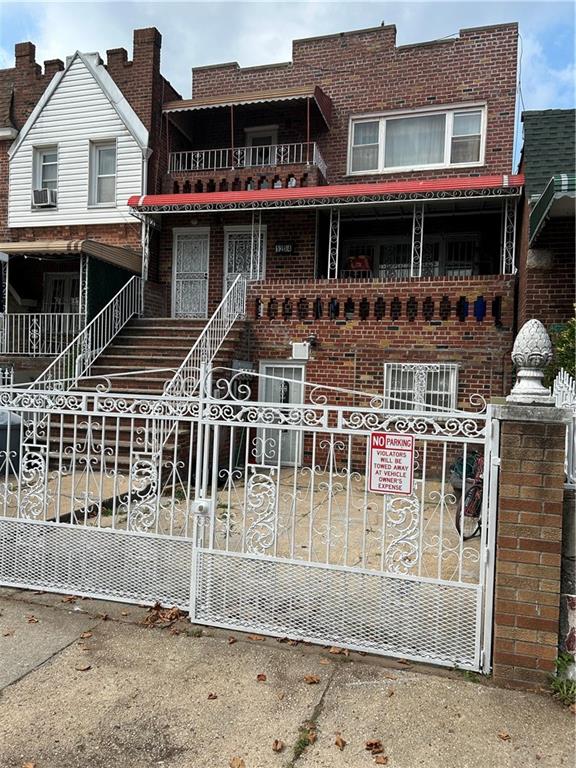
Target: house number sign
{"type": "Point", "coordinates": [391, 463]}
{"type": "Point", "coordinates": [284, 246]}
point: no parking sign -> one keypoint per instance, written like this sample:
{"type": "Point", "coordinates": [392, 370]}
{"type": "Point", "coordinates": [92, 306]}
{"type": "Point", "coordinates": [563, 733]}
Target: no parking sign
{"type": "Point", "coordinates": [391, 465]}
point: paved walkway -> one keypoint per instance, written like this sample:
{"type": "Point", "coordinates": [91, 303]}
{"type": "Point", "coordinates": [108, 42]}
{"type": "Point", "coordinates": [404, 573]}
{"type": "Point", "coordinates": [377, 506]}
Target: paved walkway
{"type": "Point", "coordinates": [88, 684]}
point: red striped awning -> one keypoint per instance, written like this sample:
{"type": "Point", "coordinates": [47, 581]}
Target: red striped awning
{"type": "Point", "coordinates": [334, 194]}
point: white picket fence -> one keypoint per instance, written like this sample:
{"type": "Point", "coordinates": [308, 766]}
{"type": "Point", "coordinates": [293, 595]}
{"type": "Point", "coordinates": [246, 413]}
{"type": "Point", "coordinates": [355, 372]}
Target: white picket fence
{"type": "Point", "coordinates": [564, 390]}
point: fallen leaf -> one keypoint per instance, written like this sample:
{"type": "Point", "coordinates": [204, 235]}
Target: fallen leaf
{"type": "Point", "coordinates": [405, 662]}
{"type": "Point", "coordinates": [232, 640]}
{"type": "Point", "coordinates": [261, 677]}
{"type": "Point", "coordinates": [212, 696]}
{"type": "Point", "coordinates": [311, 679]}
{"type": "Point", "coordinates": [381, 760]}
{"type": "Point", "coordinates": [277, 745]}
{"type": "Point", "coordinates": [237, 762]}
{"type": "Point", "coordinates": [339, 741]}
{"type": "Point", "coordinates": [281, 695]}
{"type": "Point", "coordinates": [82, 667]}
{"type": "Point", "coordinates": [28, 765]}
{"type": "Point", "coordinates": [256, 637]}
{"type": "Point", "coordinates": [335, 650]}
{"type": "Point", "coordinates": [103, 616]}
{"type": "Point", "coordinates": [325, 661]}
{"type": "Point", "coordinates": [69, 599]}
{"type": "Point", "coordinates": [504, 736]}
{"type": "Point", "coordinates": [175, 631]}
{"type": "Point", "coordinates": [32, 619]}
{"type": "Point", "coordinates": [8, 633]}
{"type": "Point", "coordinates": [311, 736]}
{"type": "Point", "coordinates": [124, 613]}
{"type": "Point", "coordinates": [85, 635]}
{"type": "Point", "coordinates": [374, 746]}
{"type": "Point", "coordinates": [573, 709]}
{"type": "Point", "coordinates": [390, 692]}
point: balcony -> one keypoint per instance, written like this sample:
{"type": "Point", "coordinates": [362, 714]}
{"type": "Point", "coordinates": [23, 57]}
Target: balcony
{"type": "Point", "coordinates": [255, 167]}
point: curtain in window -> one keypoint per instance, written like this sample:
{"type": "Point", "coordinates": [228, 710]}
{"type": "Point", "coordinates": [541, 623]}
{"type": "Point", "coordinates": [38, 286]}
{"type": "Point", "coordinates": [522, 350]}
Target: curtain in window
{"type": "Point", "coordinates": [415, 141]}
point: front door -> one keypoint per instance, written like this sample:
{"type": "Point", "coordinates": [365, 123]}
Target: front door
{"type": "Point", "coordinates": [245, 253]}
{"type": "Point", "coordinates": [191, 256]}
{"type": "Point", "coordinates": [283, 383]}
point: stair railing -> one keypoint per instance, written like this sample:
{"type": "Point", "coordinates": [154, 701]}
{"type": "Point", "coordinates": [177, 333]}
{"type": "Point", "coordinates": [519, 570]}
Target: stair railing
{"type": "Point", "coordinates": [73, 362]}
{"type": "Point", "coordinates": [205, 348]}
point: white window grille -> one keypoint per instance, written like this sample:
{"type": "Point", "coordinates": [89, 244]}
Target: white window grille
{"type": "Point", "coordinates": [6, 376]}
{"type": "Point", "coordinates": [421, 386]}
{"type": "Point", "coordinates": [103, 173]}
{"type": "Point", "coordinates": [412, 140]}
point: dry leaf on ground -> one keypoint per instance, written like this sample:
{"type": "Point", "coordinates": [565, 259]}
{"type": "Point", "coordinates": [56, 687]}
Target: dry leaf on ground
{"type": "Point", "coordinates": [335, 650]}
{"type": "Point", "coordinates": [256, 637]}
{"type": "Point", "coordinates": [85, 635]}
{"type": "Point", "coordinates": [504, 736]}
{"type": "Point", "coordinates": [277, 745]}
{"type": "Point", "coordinates": [32, 619]}
{"type": "Point", "coordinates": [212, 696]}
{"type": "Point", "coordinates": [82, 667]}
{"type": "Point", "coordinates": [311, 736]}
{"type": "Point", "coordinates": [232, 640]}
{"type": "Point", "coordinates": [237, 762]}
{"type": "Point", "coordinates": [339, 741]}
{"type": "Point", "coordinates": [381, 760]}
{"type": "Point", "coordinates": [69, 599]}
{"type": "Point", "coordinates": [374, 746]}
{"type": "Point", "coordinates": [28, 765]}
{"type": "Point", "coordinates": [311, 679]}
{"type": "Point", "coordinates": [261, 677]}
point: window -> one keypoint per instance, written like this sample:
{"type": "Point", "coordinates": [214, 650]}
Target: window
{"type": "Point", "coordinates": [421, 386]}
{"type": "Point", "coordinates": [48, 168]}
{"type": "Point", "coordinates": [410, 141]}
{"type": "Point", "coordinates": [103, 174]}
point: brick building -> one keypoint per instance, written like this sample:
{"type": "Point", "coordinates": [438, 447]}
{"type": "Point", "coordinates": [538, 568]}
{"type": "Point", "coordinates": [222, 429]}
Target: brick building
{"type": "Point", "coordinates": [364, 189]}
{"type": "Point", "coordinates": [76, 139]}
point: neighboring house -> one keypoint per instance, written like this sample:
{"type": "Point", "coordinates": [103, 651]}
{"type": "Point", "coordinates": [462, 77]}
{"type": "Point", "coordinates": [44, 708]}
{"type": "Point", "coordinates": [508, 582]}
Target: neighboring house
{"type": "Point", "coordinates": [365, 191]}
{"type": "Point", "coordinates": [547, 253]}
{"type": "Point", "coordinates": [75, 143]}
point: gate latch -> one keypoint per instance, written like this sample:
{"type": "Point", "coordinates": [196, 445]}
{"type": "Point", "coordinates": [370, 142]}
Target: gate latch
{"type": "Point", "coordinates": [202, 507]}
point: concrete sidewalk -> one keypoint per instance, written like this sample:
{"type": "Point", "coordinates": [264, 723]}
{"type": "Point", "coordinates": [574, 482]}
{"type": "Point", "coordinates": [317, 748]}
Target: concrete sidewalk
{"type": "Point", "coordinates": [86, 684]}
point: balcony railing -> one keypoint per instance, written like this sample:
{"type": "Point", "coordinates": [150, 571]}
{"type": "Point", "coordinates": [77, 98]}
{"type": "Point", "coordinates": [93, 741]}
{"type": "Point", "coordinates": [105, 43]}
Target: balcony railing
{"type": "Point", "coordinates": [271, 155]}
{"type": "Point", "coordinates": [35, 334]}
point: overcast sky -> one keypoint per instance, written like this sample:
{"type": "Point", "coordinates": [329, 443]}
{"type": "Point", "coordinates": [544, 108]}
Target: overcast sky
{"type": "Point", "coordinates": [196, 33]}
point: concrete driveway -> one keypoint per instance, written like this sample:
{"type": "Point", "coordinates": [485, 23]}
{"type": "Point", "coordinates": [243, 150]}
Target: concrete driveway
{"type": "Point", "coordinates": [90, 684]}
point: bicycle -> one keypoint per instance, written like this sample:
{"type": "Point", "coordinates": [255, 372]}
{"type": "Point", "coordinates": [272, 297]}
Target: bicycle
{"type": "Point", "coordinates": [468, 518]}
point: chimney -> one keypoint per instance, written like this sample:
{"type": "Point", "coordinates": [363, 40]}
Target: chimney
{"type": "Point", "coordinates": [25, 54]}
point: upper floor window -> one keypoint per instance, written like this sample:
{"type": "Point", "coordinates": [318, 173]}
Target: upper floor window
{"type": "Point", "coordinates": [410, 141]}
{"type": "Point", "coordinates": [45, 177]}
{"type": "Point", "coordinates": [103, 174]}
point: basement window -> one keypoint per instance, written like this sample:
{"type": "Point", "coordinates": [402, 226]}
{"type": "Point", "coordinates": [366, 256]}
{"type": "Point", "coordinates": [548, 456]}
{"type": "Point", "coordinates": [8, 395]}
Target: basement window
{"type": "Point", "coordinates": [410, 141]}
{"type": "Point", "coordinates": [420, 386]}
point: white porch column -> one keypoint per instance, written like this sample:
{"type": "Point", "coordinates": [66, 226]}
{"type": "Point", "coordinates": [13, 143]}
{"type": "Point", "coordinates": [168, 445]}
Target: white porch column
{"type": "Point", "coordinates": [256, 246]}
{"type": "Point", "coordinates": [508, 234]}
{"type": "Point", "coordinates": [417, 240]}
{"type": "Point", "coordinates": [334, 243]}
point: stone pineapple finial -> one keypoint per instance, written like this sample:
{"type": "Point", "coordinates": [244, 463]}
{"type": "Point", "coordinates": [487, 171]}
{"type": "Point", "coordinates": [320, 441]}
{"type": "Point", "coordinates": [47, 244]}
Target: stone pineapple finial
{"type": "Point", "coordinates": [531, 354]}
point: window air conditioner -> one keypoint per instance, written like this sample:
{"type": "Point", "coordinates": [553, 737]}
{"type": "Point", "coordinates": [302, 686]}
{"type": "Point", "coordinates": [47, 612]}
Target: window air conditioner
{"type": "Point", "coordinates": [44, 198]}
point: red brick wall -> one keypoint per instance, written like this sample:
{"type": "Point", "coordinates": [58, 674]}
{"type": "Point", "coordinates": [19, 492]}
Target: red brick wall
{"type": "Point", "coordinates": [528, 553]}
{"type": "Point", "coordinates": [351, 352]}
{"type": "Point", "coordinates": [364, 72]}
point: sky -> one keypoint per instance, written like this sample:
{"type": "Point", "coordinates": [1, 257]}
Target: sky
{"type": "Point", "coordinates": [199, 33]}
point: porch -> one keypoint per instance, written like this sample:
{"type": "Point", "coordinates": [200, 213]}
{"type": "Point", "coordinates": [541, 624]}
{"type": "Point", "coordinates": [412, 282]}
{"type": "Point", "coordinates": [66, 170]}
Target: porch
{"type": "Point", "coordinates": [51, 289]}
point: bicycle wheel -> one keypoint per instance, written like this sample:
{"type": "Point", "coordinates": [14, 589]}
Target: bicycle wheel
{"type": "Point", "coordinates": [468, 524]}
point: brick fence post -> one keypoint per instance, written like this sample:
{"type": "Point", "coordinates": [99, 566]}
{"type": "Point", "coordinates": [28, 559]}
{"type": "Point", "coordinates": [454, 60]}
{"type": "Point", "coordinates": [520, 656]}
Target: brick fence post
{"type": "Point", "coordinates": [528, 544]}
{"type": "Point", "coordinates": [529, 523]}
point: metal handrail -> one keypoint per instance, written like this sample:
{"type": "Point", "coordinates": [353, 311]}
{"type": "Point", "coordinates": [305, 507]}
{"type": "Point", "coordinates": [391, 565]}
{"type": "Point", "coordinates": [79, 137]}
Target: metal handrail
{"type": "Point", "coordinates": [63, 373]}
{"type": "Point", "coordinates": [270, 155]}
{"type": "Point", "coordinates": [206, 346]}
{"type": "Point", "coordinates": [564, 392]}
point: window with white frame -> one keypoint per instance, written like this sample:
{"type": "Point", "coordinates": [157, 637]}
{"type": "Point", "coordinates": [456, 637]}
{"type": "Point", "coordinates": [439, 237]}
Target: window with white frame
{"type": "Point", "coordinates": [407, 141]}
{"type": "Point", "coordinates": [103, 173]}
{"type": "Point", "coordinates": [421, 386]}
{"type": "Point", "coordinates": [46, 170]}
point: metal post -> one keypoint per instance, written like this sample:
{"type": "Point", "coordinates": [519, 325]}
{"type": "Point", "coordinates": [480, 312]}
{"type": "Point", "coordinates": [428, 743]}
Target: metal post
{"type": "Point", "coordinates": [509, 210]}
{"type": "Point", "coordinates": [145, 259]}
{"type": "Point", "coordinates": [417, 240]}
{"type": "Point", "coordinates": [4, 301]}
{"type": "Point", "coordinates": [308, 131]}
{"type": "Point", "coordinates": [232, 135]}
{"type": "Point", "coordinates": [83, 297]}
{"type": "Point", "coordinates": [334, 243]}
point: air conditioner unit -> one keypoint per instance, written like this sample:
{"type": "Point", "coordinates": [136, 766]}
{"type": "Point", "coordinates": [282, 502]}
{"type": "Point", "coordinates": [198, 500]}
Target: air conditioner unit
{"type": "Point", "coordinates": [44, 198]}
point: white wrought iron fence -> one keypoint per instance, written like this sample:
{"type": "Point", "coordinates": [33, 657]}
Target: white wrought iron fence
{"type": "Point", "coordinates": [37, 334]}
{"type": "Point", "coordinates": [76, 358]}
{"type": "Point", "coordinates": [267, 506]}
{"type": "Point", "coordinates": [247, 157]}
{"type": "Point", "coordinates": [564, 391]}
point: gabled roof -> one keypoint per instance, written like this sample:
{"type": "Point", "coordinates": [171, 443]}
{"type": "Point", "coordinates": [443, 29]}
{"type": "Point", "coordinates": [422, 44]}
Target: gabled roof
{"type": "Point", "coordinates": [110, 90]}
{"type": "Point", "coordinates": [549, 146]}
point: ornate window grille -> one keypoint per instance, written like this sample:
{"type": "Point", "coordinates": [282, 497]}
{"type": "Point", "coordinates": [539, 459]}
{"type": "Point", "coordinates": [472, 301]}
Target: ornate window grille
{"type": "Point", "coordinates": [421, 386]}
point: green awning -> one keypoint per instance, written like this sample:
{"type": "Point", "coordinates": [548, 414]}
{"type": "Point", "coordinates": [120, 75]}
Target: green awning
{"type": "Point", "coordinates": [558, 199]}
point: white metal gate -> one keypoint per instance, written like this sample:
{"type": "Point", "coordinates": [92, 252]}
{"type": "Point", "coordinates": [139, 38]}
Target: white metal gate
{"type": "Point", "coordinates": [136, 498]}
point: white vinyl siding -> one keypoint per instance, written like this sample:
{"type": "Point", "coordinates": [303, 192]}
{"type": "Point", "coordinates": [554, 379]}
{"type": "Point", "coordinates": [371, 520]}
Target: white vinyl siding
{"type": "Point", "coordinates": [409, 141]}
{"type": "Point", "coordinates": [77, 114]}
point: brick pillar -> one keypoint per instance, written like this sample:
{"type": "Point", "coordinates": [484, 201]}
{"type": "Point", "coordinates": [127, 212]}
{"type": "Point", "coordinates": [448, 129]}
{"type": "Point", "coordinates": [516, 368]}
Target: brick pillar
{"type": "Point", "coordinates": [528, 544]}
